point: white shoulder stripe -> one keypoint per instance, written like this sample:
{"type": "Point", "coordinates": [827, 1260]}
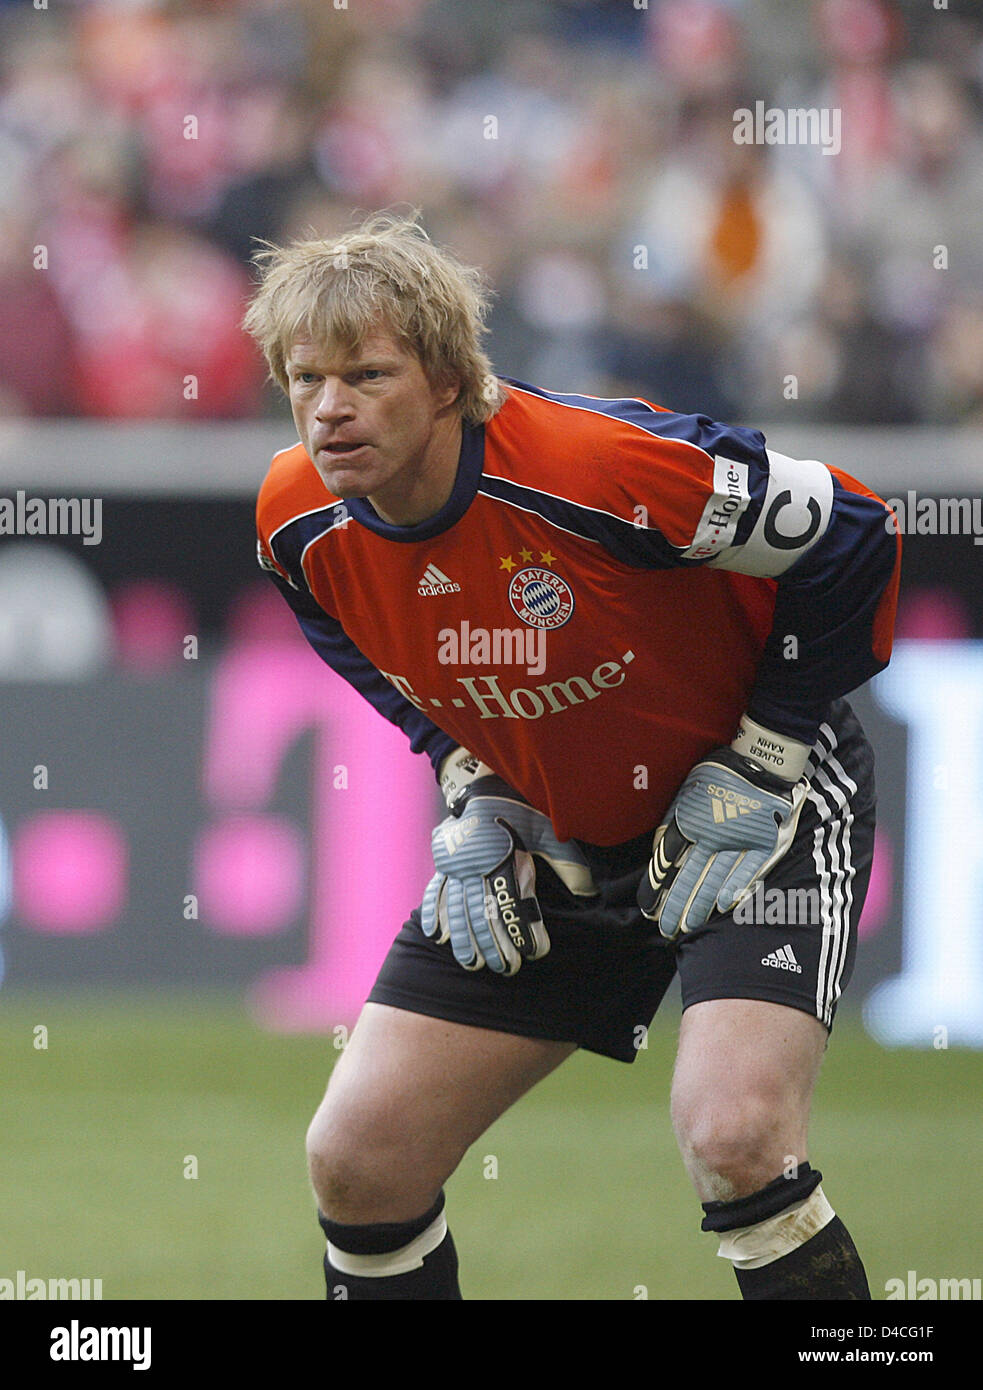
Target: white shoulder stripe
{"type": "Point", "coordinates": [339, 523]}
{"type": "Point", "coordinates": [653, 434]}
{"type": "Point", "coordinates": [300, 516]}
{"type": "Point", "coordinates": [532, 512]}
{"type": "Point", "coordinates": [289, 449]}
{"type": "Point", "coordinates": [568, 501]}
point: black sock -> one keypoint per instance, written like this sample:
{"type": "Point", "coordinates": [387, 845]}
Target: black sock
{"type": "Point", "coordinates": [826, 1267]}
{"type": "Point", "coordinates": [433, 1275]}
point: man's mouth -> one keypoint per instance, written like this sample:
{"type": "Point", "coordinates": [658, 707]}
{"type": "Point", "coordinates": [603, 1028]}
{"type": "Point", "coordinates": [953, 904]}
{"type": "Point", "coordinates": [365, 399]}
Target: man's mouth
{"type": "Point", "coordinates": [340, 448]}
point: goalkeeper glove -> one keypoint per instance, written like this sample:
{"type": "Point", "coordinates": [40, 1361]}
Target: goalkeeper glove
{"type": "Point", "coordinates": [732, 820]}
{"type": "Point", "coordinates": [482, 897]}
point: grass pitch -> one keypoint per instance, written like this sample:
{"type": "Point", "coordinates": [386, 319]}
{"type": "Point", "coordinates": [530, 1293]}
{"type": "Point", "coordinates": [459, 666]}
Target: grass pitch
{"type": "Point", "coordinates": [157, 1144]}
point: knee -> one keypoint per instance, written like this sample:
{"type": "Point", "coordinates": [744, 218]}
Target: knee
{"type": "Point", "coordinates": [359, 1170]}
{"type": "Point", "coordinates": [346, 1169]}
{"type": "Point", "coordinates": [731, 1147]}
{"type": "Point", "coordinates": [332, 1165]}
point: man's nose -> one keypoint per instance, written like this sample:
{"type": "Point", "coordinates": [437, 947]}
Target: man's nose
{"type": "Point", "coordinates": [334, 401]}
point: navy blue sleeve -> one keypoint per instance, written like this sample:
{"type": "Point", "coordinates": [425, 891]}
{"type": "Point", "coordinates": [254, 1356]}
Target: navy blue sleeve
{"type": "Point", "coordinates": [831, 549]}
{"type": "Point", "coordinates": [834, 615]}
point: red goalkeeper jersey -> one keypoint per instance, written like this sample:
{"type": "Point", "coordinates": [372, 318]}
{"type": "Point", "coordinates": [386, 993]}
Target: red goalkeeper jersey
{"type": "Point", "coordinates": [608, 588]}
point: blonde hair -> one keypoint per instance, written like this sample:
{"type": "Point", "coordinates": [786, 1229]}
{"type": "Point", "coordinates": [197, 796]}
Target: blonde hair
{"type": "Point", "coordinates": [387, 269]}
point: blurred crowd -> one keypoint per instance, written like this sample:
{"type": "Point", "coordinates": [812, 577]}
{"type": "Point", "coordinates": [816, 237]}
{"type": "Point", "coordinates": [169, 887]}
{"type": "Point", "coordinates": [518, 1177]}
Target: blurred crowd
{"type": "Point", "coordinates": [581, 152]}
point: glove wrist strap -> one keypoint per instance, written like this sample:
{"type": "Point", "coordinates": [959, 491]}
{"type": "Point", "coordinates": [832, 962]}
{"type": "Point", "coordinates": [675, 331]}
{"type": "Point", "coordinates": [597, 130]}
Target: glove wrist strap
{"type": "Point", "coordinates": [458, 770]}
{"type": "Point", "coordinates": [776, 753]}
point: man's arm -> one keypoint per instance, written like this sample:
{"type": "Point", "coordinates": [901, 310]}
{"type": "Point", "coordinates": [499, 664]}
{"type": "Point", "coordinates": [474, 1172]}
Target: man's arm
{"type": "Point", "coordinates": [333, 645]}
{"type": "Point", "coordinates": [689, 491]}
{"type": "Point", "coordinates": [715, 496]}
{"type": "Point", "coordinates": [832, 548]}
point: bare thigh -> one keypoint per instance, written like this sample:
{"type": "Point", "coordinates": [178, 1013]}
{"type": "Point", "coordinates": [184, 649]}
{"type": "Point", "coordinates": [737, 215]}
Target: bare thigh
{"type": "Point", "coordinates": [407, 1098]}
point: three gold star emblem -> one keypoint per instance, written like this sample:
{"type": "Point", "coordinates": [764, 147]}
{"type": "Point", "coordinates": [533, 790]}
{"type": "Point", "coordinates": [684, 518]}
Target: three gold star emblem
{"type": "Point", "coordinates": [508, 564]}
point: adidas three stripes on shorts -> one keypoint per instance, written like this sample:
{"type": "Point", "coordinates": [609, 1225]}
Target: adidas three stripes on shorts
{"type": "Point", "coordinates": [791, 942]}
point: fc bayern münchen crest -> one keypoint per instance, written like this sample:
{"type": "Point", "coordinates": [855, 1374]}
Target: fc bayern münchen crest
{"type": "Point", "coordinates": [541, 598]}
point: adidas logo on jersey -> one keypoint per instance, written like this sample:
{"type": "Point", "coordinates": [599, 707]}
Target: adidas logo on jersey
{"type": "Point", "coordinates": [783, 959]}
{"type": "Point", "coordinates": [435, 582]}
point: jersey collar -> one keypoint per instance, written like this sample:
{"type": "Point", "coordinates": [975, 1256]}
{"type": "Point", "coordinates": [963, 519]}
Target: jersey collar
{"type": "Point", "coordinates": [469, 466]}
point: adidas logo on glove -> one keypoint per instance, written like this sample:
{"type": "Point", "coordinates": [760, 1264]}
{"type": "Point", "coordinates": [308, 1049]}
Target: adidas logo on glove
{"type": "Point", "coordinates": [728, 804]}
{"type": "Point", "coordinates": [506, 906]}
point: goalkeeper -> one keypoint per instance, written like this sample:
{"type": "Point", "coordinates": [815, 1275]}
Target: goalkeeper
{"type": "Point", "coordinates": [703, 604]}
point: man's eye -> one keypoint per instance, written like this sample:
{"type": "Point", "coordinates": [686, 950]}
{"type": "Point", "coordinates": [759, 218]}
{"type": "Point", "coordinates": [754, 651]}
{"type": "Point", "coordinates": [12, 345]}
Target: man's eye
{"type": "Point", "coordinates": [372, 373]}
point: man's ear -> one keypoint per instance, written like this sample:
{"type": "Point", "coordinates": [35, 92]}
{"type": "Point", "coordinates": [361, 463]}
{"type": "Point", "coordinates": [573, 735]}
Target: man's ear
{"type": "Point", "coordinates": [446, 388]}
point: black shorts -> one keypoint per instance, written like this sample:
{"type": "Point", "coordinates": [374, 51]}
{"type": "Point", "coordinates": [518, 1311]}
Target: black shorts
{"type": "Point", "coordinates": [608, 968]}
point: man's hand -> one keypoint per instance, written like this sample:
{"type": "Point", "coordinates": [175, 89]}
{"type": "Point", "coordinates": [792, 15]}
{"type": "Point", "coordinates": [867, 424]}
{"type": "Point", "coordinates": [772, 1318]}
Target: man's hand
{"type": "Point", "coordinates": [731, 822]}
{"type": "Point", "coordinates": [482, 897]}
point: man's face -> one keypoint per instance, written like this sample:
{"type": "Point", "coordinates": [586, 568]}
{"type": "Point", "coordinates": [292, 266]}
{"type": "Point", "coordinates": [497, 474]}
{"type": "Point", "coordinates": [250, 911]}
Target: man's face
{"type": "Point", "coordinates": [369, 418]}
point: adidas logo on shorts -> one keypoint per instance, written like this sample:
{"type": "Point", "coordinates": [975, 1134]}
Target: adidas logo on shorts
{"type": "Point", "coordinates": [783, 959]}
